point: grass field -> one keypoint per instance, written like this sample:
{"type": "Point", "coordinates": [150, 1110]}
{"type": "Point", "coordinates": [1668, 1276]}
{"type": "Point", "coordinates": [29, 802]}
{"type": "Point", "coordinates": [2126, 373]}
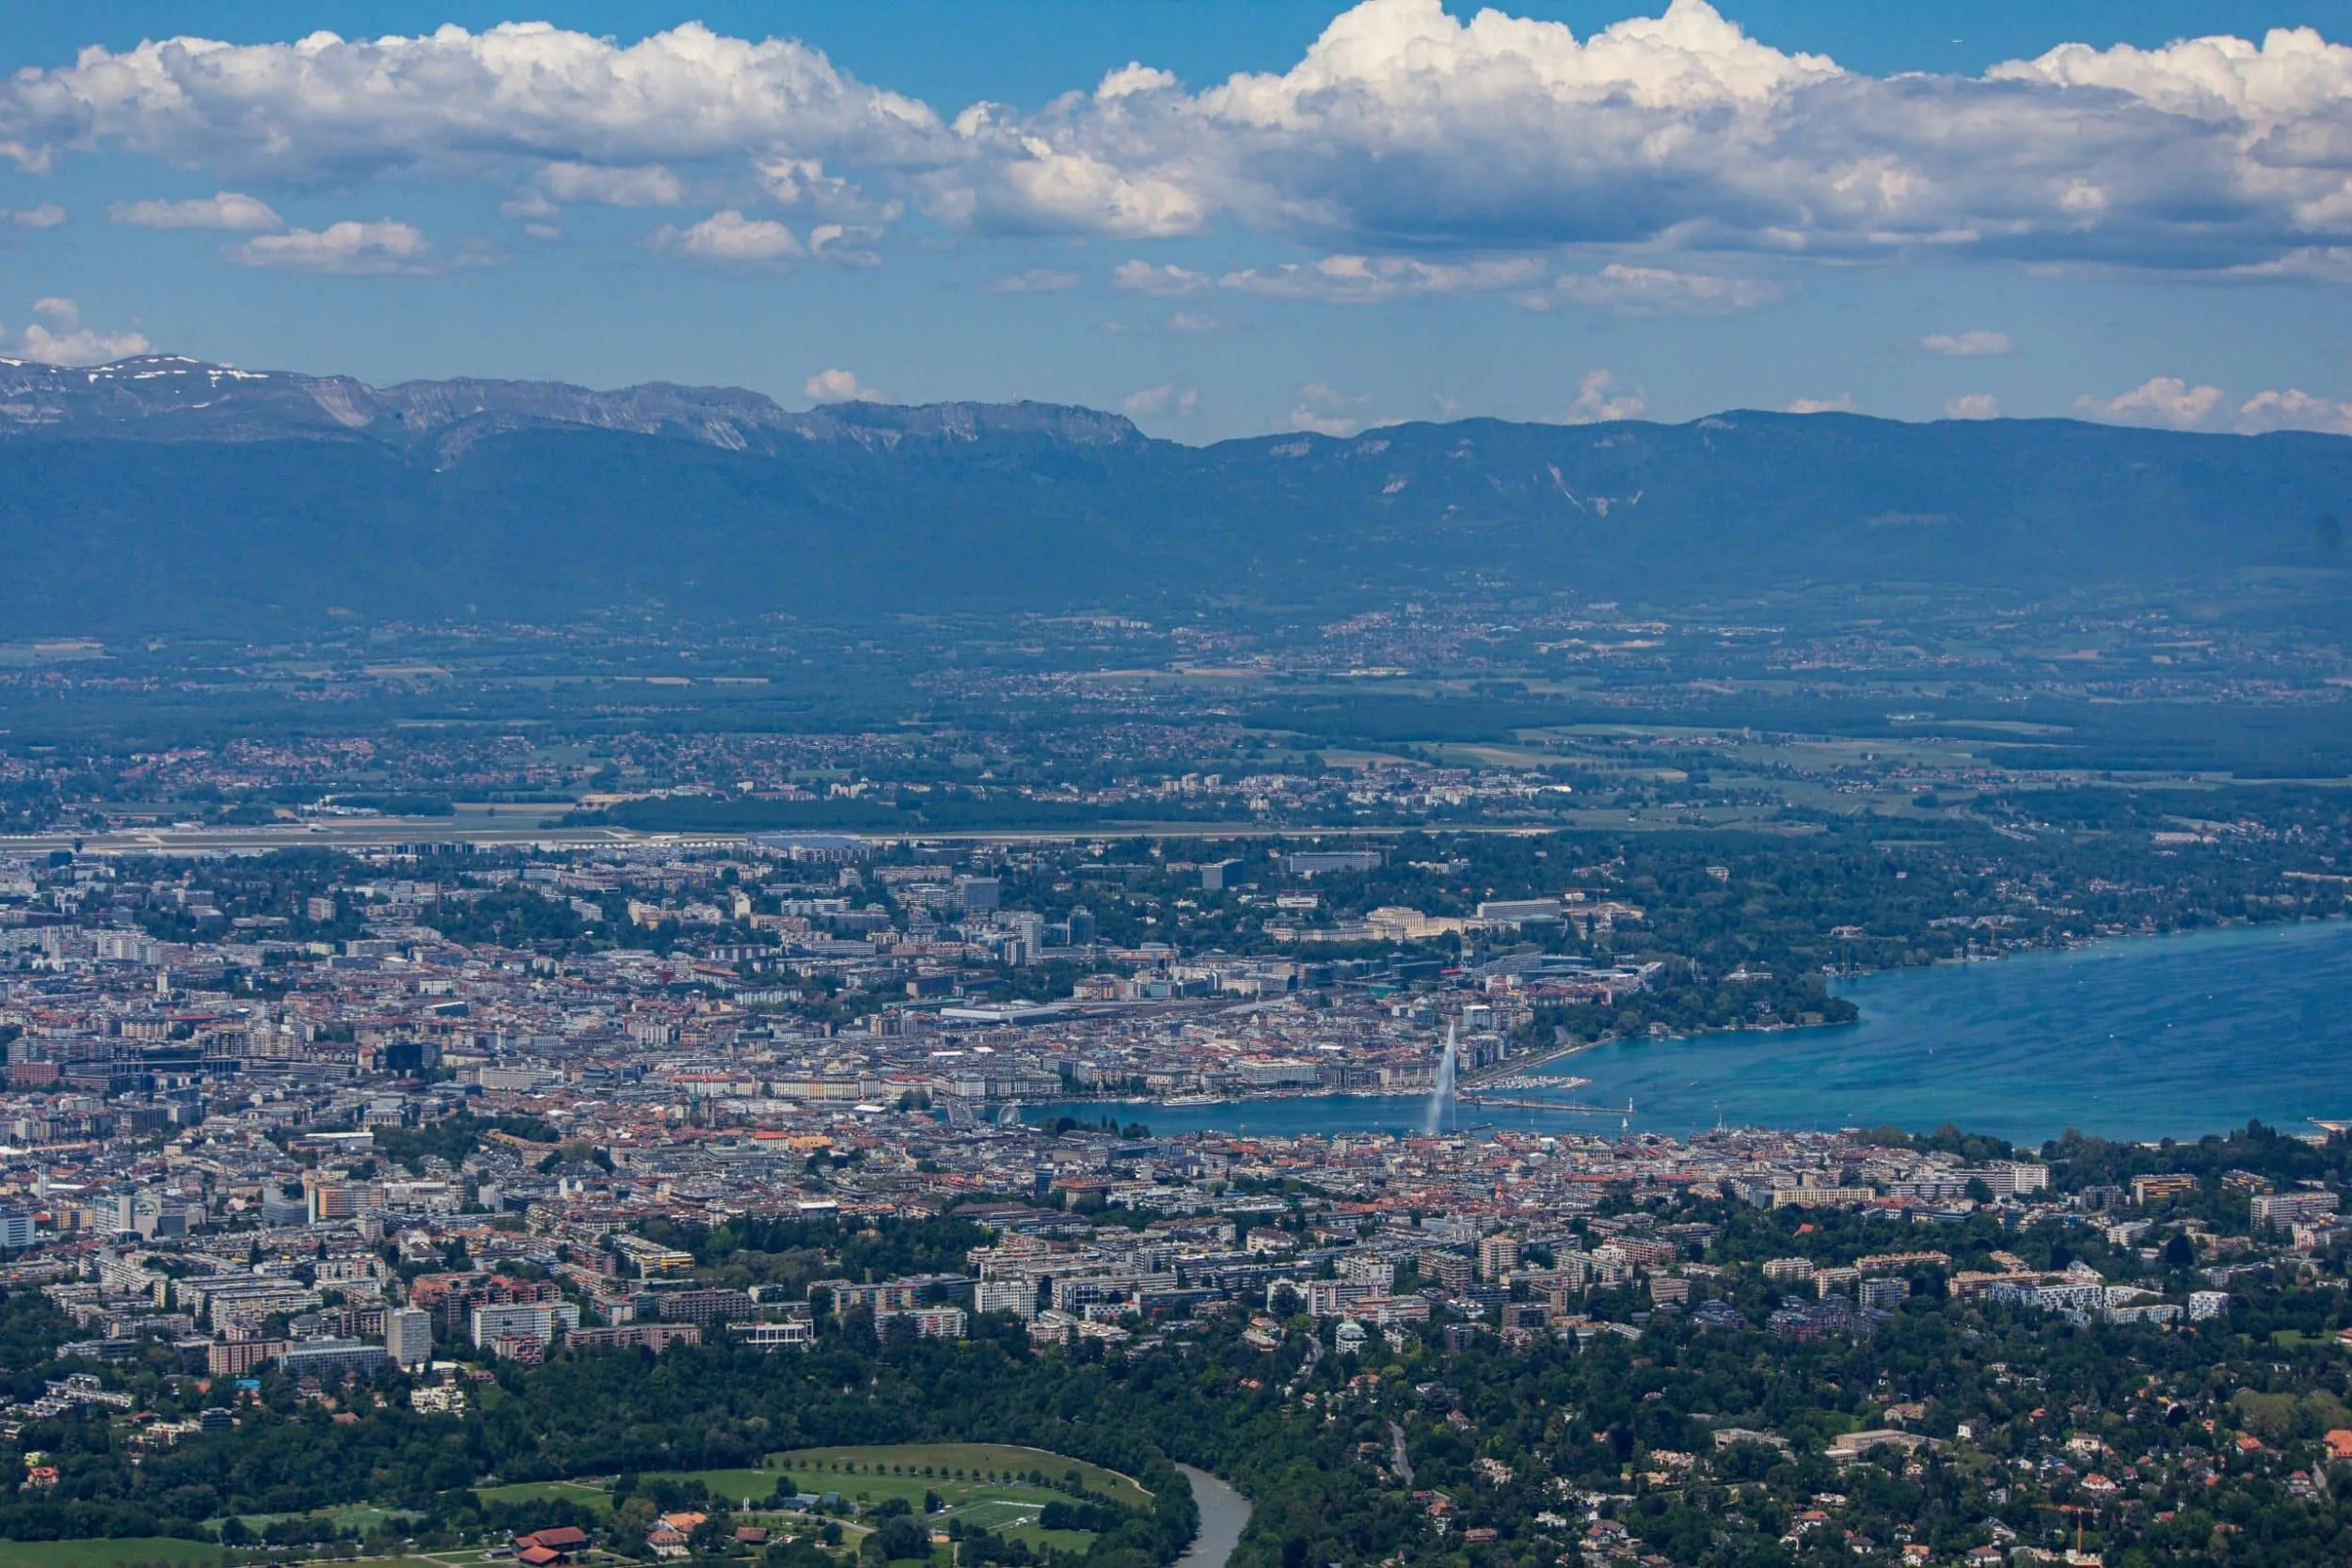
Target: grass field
{"type": "Point", "coordinates": [1016, 1521]}
{"type": "Point", "coordinates": [108, 1554]}
{"type": "Point", "coordinates": [1007, 1506]}
{"type": "Point", "coordinates": [733, 1485]}
{"type": "Point", "coordinates": [588, 1493]}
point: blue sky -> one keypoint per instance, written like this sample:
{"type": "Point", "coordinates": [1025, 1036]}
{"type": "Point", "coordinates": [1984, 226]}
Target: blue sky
{"type": "Point", "coordinates": [1225, 216]}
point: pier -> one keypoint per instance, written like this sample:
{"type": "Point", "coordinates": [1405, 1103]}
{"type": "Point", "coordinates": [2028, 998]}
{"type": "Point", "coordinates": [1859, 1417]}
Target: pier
{"type": "Point", "coordinates": [1528, 1103]}
{"type": "Point", "coordinates": [1514, 1068]}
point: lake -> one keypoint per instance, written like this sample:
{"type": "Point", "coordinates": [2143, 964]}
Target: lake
{"type": "Point", "coordinates": [2138, 1038]}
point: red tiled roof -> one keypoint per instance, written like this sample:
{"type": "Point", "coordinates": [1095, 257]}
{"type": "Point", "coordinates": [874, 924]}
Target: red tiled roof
{"type": "Point", "coordinates": [560, 1538]}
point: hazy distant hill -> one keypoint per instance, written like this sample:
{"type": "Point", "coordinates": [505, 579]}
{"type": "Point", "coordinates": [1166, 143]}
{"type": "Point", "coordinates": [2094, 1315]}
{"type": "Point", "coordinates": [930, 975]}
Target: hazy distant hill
{"type": "Point", "coordinates": [166, 493]}
{"type": "Point", "coordinates": [168, 398]}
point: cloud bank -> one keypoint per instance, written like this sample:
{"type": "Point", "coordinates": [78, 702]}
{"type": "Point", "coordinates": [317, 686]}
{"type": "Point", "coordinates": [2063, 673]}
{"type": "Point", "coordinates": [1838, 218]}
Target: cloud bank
{"type": "Point", "coordinates": [1403, 132]}
{"type": "Point", "coordinates": [327, 110]}
{"type": "Point", "coordinates": [61, 338]}
{"type": "Point", "coordinates": [1977, 345]}
{"type": "Point", "coordinates": [2169, 402]}
{"type": "Point", "coordinates": [351, 248]}
{"type": "Point", "coordinates": [230, 210]}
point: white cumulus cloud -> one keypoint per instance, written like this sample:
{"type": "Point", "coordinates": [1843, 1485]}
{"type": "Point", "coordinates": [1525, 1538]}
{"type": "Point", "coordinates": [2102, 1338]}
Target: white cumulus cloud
{"type": "Point", "coordinates": [2164, 402]}
{"type": "Point", "coordinates": [2169, 402]}
{"type": "Point", "coordinates": [1973, 406]}
{"type": "Point", "coordinates": [1165, 279]}
{"type": "Point", "coordinates": [47, 216]}
{"type": "Point", "coordinates": [1366, 279]}
{"type": "Point", "coordinates": [326, 109]}
{"type": "Point", "coordinates": [1405, 130]}
{"type": "Point", "coordinates": [1977, 345]}
{"type": "Point", "coordinates": [349, 247]}
{"type": "Point", "coordinates": [1036, 281]}
{"type": "Point", "coordinates": [233, 211]}
{"type": "Point", "coordinates": [1632, 291]}
{"type": "Point", "coordinates": [1325, 410]}
{"type": "Point", "coordinates": [1598, 402]}
{"type": "Point", "coordinates": [649, 187]}
{"type": "Point", "coordinates": [1164, 399]}
{"type": "Point", "coordinates": [1345, 280]}
{"type": "Point", "coordinates": [2295, 409]}
{"type": "Point", "coordinates": [838, 385]}
{"type": "Point", "coordinates": [729, 236]}
{"type": "Point", "coordinates": [1842, 404]}
{"type": "Point", "coordinates": [64, 341]}
{"type": "Point", "coordinates": [1410, 124]}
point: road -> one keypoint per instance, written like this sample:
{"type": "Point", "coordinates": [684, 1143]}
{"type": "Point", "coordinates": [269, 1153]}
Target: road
{"type": "Point", "coordinates": [1399, 1460]}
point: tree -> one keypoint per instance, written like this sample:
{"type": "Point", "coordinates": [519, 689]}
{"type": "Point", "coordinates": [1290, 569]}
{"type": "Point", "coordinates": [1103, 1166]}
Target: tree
{"type": "Point", "coordinates": [898, 1539]}
{"type": "Point", "coordinates": [632, 1520]}
{"type": "Point", "coordinates": [713, 1536]}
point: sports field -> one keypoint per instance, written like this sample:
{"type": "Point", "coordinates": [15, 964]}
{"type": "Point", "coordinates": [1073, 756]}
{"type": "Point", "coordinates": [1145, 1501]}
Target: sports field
{"type": "Point", "coordinates": [986, 1485]}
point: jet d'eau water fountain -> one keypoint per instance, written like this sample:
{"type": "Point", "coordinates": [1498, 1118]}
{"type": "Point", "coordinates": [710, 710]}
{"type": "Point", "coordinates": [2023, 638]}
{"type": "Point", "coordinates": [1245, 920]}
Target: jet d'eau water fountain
{"type": "Point", "coordinates": [1441, 1098]}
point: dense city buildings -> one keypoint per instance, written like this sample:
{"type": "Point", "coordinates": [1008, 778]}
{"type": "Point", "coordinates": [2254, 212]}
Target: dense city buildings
{"type": "Point", "coordinates": [1377, 960]}
{"type": "Point", "coordinates": [338, 1138]}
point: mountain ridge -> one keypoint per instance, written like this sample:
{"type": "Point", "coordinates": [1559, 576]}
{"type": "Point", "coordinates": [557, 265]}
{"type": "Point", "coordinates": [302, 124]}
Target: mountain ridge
{"type": "Point", "coordinates": [164, 492]}
{"type": "Point", "coordinates": [171, 397]}
{"type": "Point", "coordinates": [144, 395]}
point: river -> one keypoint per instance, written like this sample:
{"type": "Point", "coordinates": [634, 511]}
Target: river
{"type": "Point", "coordinates": [2138, 1037]}
{"type": "Point", "coordinates": [1224, 1515]}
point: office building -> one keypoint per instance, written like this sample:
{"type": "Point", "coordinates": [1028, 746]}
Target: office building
{"type": "Point", "coordinates": [408, 1336]}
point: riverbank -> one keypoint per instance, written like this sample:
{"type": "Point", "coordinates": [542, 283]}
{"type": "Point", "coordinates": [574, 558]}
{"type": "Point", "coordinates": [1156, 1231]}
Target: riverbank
{"type": "Point", "coordinates": [1224, 1515]}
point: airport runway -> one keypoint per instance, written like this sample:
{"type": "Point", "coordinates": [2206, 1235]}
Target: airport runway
{"type": "Point", "coordinates": [476, 828]}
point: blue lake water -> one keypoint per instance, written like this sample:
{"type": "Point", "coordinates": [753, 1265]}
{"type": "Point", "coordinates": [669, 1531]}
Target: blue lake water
{"type": "Point", "coordinates": [2140, 1038]}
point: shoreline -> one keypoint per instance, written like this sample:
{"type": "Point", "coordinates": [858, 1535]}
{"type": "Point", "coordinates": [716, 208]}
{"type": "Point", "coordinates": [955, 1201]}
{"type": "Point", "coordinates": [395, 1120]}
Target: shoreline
{"type": "Point", "coordinates": [1539, 1062]}
{"type": "Point", "coordinates": [2083, 1038]}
